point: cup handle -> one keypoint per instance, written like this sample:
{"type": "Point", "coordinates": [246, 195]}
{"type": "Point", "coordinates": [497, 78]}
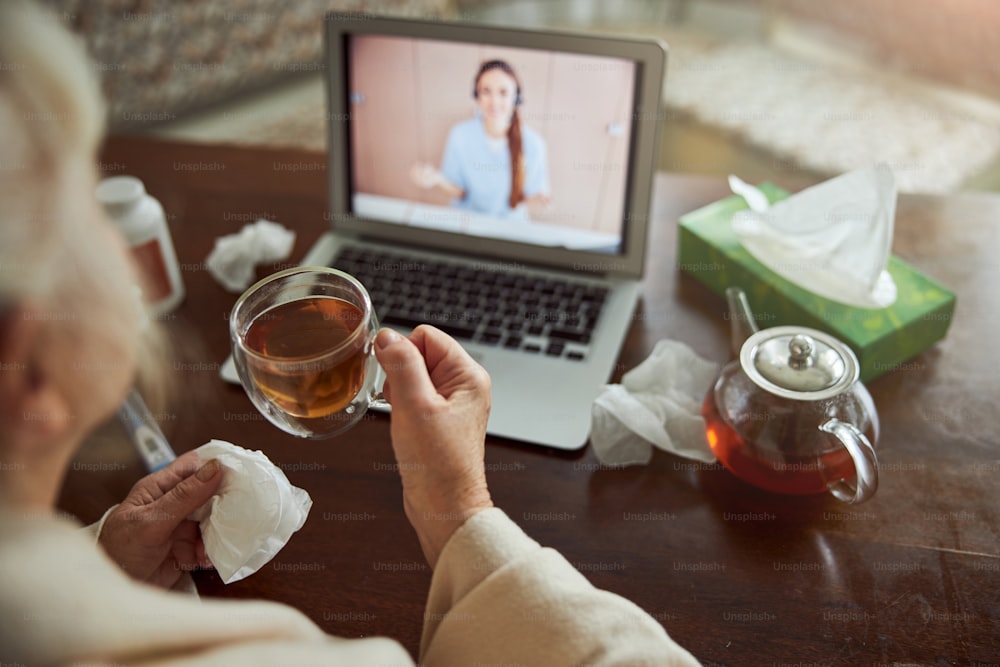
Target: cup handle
{"type": "Point", "coordinates": [865, 464]}
{"type": "Point", "coordinates": [377, 399]}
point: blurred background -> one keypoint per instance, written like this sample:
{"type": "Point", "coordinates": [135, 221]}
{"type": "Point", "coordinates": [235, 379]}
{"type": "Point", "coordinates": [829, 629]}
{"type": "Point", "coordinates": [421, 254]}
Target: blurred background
{"type": "Point", "coordinates": [791, 91]}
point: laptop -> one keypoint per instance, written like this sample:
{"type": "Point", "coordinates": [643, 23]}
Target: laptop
{"type": "Point", "coordinates": [526, 244]}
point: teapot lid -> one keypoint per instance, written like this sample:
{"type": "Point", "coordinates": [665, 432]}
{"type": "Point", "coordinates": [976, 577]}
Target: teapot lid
{"type": "Point", "coordinates": [799, 363]}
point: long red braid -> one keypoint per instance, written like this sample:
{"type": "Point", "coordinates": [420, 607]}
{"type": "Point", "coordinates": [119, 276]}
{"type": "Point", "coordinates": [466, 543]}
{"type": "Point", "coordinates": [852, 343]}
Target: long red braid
{"type": "Point", "coordinates": [514, 142]}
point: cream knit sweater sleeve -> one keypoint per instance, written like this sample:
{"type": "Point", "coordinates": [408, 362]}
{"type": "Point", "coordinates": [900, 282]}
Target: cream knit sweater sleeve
{"type": "Point", "coordinates": [498, 597]}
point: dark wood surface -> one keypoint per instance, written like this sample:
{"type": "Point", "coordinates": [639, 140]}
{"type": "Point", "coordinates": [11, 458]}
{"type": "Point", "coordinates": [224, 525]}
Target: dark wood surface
{"type": "Point", "coordinates": [737, 575]}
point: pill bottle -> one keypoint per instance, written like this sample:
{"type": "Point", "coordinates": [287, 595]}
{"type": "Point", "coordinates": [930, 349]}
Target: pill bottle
{"type": "Point", "coordinates": [140, 218]}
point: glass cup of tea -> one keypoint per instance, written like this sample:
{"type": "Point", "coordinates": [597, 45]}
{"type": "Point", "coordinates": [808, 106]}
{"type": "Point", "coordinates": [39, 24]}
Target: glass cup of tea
{"type": "Point", "coordinates": [303, 345]}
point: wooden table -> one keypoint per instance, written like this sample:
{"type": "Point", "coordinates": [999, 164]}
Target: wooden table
{"type": "Point", "coordinates": [737, 575]}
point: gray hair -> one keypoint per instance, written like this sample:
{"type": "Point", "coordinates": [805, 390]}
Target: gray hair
{"type": "Point", "coordinates": [52, 120]}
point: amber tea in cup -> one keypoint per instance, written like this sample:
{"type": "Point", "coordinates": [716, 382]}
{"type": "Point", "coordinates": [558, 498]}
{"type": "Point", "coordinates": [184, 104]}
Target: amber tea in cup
{"type": "Point", "coordinates": [302, 343]}
{"type": "Point", "coordinates": [300, 329]}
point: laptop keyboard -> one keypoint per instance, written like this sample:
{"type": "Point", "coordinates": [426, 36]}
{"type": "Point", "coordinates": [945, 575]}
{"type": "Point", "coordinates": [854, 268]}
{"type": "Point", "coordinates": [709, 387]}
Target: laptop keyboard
{"type": "Point", "coordinates": [484, 304]}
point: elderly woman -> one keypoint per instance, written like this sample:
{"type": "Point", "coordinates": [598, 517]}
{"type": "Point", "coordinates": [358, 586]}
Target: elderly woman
{"type": "Point", "coordinates": [70, 341]}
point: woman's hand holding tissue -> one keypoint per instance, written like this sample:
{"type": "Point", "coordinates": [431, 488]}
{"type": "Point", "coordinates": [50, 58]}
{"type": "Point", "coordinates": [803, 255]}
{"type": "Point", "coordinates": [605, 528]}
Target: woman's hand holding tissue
{"type": "Point", "coordinates": [149, 534]}
{"type": "Point", "coordinates": [440, 403]}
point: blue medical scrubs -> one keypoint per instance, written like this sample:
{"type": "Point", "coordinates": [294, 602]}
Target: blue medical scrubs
{"type": "Point", "coordinates": [480, 166]}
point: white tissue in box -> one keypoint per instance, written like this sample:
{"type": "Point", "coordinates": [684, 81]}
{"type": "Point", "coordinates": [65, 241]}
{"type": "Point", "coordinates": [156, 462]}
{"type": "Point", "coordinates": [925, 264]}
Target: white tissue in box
{"type": "Point", "coordinates": [254, 513]}
{"type": "Point", "coordinates": [832, 239]}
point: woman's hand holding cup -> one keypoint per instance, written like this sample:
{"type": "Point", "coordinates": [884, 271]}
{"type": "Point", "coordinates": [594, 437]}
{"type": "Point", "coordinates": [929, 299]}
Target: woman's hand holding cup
{"type": "Point", "coordinates": [440, 401]}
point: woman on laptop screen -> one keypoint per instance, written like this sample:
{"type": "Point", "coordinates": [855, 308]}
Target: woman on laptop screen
{"type": "Point", "coordinates": [493, 164]}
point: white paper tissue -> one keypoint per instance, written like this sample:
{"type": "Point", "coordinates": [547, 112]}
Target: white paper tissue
{"type": "Point", "coordinates": [234, 257]}
{"type": "Point", "coordinates": [254, 513]}
{"type": "Point", "coordinates": [657, 404]}
{"type": "Point", "coordinates": [832, 239]}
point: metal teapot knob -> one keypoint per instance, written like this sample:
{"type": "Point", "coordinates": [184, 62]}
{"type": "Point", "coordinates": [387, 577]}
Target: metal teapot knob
{"type": "Point", "coordinates": [800, 350]}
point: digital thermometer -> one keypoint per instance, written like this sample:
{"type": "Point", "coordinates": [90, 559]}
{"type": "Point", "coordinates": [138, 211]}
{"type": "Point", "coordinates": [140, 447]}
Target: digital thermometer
{"type": "Point", "coordinates": [146, 435]}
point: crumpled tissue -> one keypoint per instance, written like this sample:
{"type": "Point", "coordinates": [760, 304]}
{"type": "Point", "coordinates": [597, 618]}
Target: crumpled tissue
{"type": "Point", "coordinates": [833, 239]}
{"type": "Point", "coordinates": [234, 259]}
{"type": "Point", "coordinates": [657, 404]}
{"type": "Point", "coordinates": [254, 513]}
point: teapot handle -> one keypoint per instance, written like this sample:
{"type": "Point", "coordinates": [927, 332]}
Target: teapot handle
{"type": "Point", "coordinates": [865, 463]}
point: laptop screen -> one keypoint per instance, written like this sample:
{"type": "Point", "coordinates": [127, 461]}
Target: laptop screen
{"type": "Point", "coordinates": [519, 144]}
{"type": "Point", "coordinates": [519, 139]}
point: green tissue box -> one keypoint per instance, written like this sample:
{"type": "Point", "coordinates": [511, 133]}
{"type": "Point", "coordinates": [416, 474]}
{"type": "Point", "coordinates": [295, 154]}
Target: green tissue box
{"type": "Point", "coordinates": [884, 339]}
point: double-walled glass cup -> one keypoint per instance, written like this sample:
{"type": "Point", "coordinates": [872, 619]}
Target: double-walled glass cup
{"type": "Point", "coordinates": [303, 345]}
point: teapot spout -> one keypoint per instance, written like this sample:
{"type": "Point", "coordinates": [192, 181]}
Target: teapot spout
{"type": "Point", "coordinates": [741, 320]}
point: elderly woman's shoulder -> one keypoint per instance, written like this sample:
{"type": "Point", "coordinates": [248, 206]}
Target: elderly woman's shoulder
{"type": "Point", "coordinates": [41, 551]}
{"type": "Point", "coordinates": [57, 582]}
{"type": "Point", "coordinates": [27, 523]}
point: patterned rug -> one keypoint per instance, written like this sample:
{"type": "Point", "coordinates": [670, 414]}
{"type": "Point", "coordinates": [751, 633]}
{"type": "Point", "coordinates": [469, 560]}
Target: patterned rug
{"type": "Point", "coordinates": [831, 119]}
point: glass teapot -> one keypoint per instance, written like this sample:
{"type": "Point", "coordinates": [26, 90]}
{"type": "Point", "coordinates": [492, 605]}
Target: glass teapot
{"type": "Point", "coordinates": [789, 414]}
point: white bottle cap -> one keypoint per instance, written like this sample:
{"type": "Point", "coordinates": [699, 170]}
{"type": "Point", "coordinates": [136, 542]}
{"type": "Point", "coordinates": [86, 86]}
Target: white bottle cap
{"type": "Point", "coordinates": [117, 193]}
